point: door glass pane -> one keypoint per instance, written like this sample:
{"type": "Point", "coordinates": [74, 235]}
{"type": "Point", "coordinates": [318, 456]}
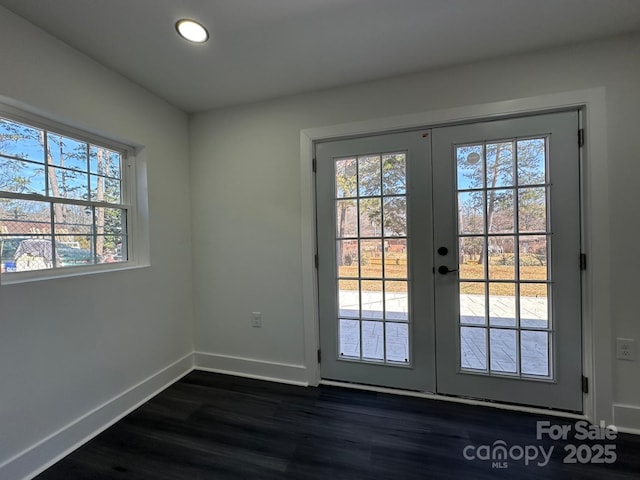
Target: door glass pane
{"type": "Point", "coordinates": [470, 167]}
{"type": "Point", "coordinates": [395, 217]}
{"type": "Point", "coordinates": [472, 258]}
{"type": "Point", "coordinates": [371, 217]}
{"type": "Point", "coordinates": [349, 338]}
{"type": "Point", "coordinates": [473, 305]}
{"type": "Point", "coordinates": [346, 178]}
{"type": "Point", "coordinates": [499, 164]}
{"type": "Point", "coordinates": [396, 300]}
{"type": "Point", "coordinates": [532, 209]}
{"type": "Point", "coordinates": [502, 304]}
{"type": "Point", "coordinates": [534, 305]}
{"type": "Point", "coordinates": [372, 258]}
{"type": "Point", "coordinates": [346, 219]}
{"type": "Point", "coordinates": [373, 340]}
{"type": "Point", "coordinates": [501, 258]}
{"type": "Point", "coordinates": [394, 174]}
{"type": "Point", "coordinates": [500, 213]}
{"type": "Point", "coordinates": [532, 161]}
{"type": "Point", "coordinates": [533, 257]}
{"type": "Point", "coordinates": [503, 238]}
{"type": "Point", "coordinates": [395, 258]}
{"type": "Point", "coordinates": [348, 298]}
{"type": "Point", "coordinates": [369, 176]}
{"type": "Point", "coordinates": [473, 348]}
{"type": "Point", "coordinates": [347, 258]}
{"type": "Point", "coordinates": [397, 339]}
{"type": "Point", "coordinates": [504, 350]}
{"type": "Point", "coordinates": [372, 299]}
{"type": "Point", "coordinates": [535, 353]}
{"type": "Point", "coordinates": [471, 213]}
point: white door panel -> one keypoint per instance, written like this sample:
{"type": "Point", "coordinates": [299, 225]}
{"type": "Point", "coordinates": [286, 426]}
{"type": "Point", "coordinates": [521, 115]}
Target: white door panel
{"type": "Point", "coordinates": [375, 272]}
{"type": "Point", "coordinates": [506, 205]}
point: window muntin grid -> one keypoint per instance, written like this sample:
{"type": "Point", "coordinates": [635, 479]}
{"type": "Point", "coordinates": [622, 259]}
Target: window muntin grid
{"type": "Point", "coordinates": [371, 253]}
{"type": "Point", "coordinates": [62, 200]}
{"type": "Point", "coordinates": [504, 238]}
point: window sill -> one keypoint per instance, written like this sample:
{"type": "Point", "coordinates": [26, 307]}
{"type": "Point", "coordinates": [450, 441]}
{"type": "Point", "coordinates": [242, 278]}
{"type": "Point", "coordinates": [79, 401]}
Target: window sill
{"type": "Point", "coordinates": [38, 275]}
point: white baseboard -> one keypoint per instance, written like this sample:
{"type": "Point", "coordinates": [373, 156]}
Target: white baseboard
{"type": "Point", "coordinates": [40, 456]}
{"type": "Point", "coordinates": [251, 368]}
{"type": "Point", "coordinates": [626, 418]}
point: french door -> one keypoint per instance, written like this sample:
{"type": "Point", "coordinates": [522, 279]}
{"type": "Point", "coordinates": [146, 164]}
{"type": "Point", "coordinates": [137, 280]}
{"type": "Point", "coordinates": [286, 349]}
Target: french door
{"type": "Point", "coordinates": [374, 272]}
{"type": "Point", "coordinates": [449, 260]}
{"type": "Point", "coordinates": [506, 209]}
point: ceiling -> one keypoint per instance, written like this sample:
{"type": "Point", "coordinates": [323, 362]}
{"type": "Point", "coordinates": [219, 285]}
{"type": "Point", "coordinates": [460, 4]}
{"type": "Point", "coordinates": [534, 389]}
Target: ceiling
{"type": "Point", "coordinates": [262, 49]}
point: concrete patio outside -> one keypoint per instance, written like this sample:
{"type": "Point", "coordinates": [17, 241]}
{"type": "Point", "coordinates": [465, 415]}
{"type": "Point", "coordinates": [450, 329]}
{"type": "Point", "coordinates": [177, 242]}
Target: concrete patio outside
{"type": "Point", "coordinates": [475, 338]}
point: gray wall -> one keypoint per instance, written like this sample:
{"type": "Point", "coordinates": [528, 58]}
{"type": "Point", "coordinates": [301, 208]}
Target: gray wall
{"type": "Point", "coordinates": [245, 185]}
{"type": "Point", "coordinates": [69, 345]}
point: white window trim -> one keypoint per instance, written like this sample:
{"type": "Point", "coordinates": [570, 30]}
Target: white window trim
{"type": "Point", "coordinates": [133, 177]}
{"type": "Point", "coordinates": [597, 324]}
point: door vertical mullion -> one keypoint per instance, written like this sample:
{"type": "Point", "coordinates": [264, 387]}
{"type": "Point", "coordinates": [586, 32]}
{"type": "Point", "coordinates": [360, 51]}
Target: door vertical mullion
{"type": "Point", "coordinates": [485, 266]}
{"type": "Point", "coordinates": [516, 255]}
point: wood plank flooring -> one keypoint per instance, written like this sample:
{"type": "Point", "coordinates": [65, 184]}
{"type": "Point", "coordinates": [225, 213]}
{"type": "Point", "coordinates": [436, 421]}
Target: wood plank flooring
{"type": "Point", "coordinates": [215, 427]}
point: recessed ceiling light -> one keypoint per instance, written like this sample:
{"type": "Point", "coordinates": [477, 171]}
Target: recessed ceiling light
{"type": "Point", "coordinates": [473, 158]}
{"type": "Point", "coordinates": [192, 31]}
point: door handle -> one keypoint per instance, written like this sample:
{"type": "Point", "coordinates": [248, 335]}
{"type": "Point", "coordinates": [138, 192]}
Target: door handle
{"type": "Point", "coordinates": [443, 270]}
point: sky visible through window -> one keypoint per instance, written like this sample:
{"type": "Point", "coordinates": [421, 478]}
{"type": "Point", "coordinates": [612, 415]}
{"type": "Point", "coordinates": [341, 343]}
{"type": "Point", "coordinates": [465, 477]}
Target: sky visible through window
{"type": "Point", "coordinates": [56, 197]}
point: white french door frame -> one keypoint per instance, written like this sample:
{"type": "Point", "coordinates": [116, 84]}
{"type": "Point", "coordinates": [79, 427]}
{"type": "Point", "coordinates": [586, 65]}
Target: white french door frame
{"type": "Point", "coordinates": [596, 320]}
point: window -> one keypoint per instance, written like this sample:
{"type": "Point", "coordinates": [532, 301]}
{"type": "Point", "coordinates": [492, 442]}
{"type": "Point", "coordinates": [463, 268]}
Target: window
{"type": "Point", "coordinates": [64, 199]}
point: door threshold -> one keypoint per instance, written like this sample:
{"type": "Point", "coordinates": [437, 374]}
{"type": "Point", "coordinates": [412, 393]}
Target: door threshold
{"type": "Point", "coordinates": [447, 398]}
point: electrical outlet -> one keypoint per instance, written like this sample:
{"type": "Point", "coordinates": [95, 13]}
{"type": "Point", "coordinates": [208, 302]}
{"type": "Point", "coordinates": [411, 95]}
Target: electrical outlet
{"type": "Point", "coordinates": [625, 349]}
{"type": "Point", "coordinates": [256, 319]}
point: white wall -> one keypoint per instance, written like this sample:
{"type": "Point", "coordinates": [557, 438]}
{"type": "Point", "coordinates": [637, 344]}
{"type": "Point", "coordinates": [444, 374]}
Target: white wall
{"type": "Point", "coordinates": [69, 345]}
{"type": "Point", "coordinates": [245, 180]}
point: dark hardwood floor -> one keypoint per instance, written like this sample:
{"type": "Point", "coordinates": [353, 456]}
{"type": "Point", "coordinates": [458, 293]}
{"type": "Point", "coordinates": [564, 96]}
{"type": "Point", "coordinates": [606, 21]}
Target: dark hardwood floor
{"type": "Point", "coordinates": [210, 426]}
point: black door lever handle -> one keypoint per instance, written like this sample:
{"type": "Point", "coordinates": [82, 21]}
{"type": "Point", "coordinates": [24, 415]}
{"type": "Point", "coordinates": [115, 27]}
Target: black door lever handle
{"type": "Point", "coordinates": [443, 270]}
